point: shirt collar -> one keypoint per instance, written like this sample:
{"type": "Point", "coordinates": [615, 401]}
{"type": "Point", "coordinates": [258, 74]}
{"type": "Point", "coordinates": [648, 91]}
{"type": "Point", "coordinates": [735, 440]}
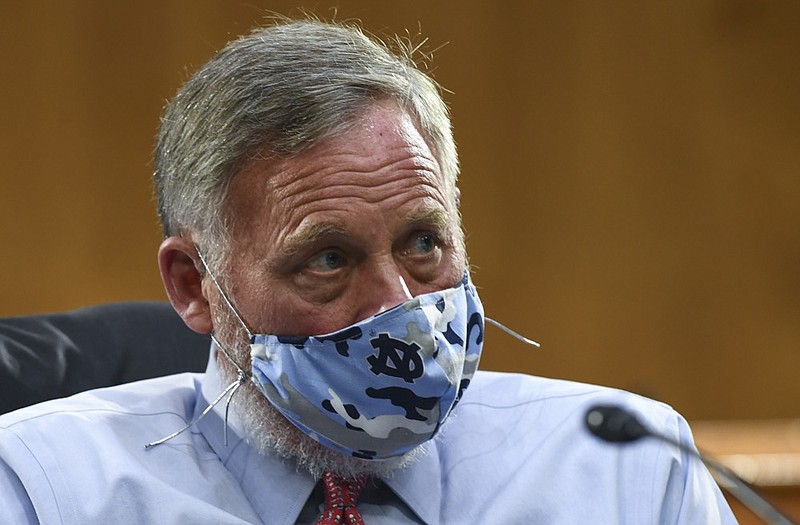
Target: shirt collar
{"type": "Point", "coordinates": [418, 485]}
{"type": "Point", "coordinates": [256, 473]}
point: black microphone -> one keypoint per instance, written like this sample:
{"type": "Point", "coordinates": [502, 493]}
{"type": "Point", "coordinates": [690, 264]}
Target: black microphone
{"type": "Point", "coordinates": [617, 425]}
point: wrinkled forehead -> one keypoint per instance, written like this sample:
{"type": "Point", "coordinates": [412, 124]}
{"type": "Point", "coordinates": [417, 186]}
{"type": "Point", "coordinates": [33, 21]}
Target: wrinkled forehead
{"type": "Point", "coordinates": [381, 161]}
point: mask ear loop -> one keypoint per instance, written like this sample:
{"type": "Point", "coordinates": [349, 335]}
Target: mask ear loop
{"type": "Point", "coordinates": [222, 293]}
{"type": "Point", "coordinates": [512, 333]}
{"type": "Point", "coordinates": [231, 389]}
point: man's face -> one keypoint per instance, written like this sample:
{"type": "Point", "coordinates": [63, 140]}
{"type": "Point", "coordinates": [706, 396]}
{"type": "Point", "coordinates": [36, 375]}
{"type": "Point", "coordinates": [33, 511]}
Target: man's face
{"type": "Point", "coordinates": [354, 226]}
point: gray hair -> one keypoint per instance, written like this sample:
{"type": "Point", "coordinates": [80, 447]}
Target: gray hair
{"type": "Point", "coordinates": [284, 88]}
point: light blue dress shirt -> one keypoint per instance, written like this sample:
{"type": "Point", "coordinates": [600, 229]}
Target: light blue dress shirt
{"type": "Point", "coordinates": [514, 451]}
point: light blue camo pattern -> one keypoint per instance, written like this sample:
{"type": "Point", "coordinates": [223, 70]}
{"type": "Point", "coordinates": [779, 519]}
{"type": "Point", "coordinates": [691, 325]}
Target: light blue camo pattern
{"type": "Point", "coordinates": [380, 387]}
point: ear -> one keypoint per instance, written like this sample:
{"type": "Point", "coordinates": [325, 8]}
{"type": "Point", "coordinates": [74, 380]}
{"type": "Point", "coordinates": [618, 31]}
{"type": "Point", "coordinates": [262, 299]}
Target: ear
{"type": "Point", "coordinates": [177, 261]}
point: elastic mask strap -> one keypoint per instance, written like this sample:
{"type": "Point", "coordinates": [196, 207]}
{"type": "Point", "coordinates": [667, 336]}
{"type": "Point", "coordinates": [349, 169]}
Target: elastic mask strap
{"type": "Point", "coordinates": [512, 333]}
{"type": "Point", "coordinates": [222, 292]}
{"type": "Point", "coordinates": [231, 389]}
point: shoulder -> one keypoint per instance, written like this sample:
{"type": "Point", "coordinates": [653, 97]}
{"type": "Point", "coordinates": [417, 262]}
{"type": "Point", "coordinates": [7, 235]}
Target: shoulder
{"type": "Point", "coordinates": [518, 394]}
{"type": "Point", "coordinates": [68, 451]}
{"type": "Point", "coordinates": [538, 412]}
{"type": "Point", "coordinates": [529, 434]}
{"type": "Point", "coordinates": [152, 397]}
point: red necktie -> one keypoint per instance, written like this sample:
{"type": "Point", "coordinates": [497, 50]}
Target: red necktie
{"type": "Point", "coordinates": [341, 497]}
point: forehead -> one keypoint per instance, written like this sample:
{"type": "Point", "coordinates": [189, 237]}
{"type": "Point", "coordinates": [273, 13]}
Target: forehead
{"type": "Point", "coordinates": [381, 165]}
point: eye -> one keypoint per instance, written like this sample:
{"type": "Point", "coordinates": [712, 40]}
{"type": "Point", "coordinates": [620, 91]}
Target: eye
{"type": "Point", "coordinates": [424, 243]}
{"type": "Point", "coordinates": [327, 261]}
{"type": "Point", "coordinates": [423, 255]}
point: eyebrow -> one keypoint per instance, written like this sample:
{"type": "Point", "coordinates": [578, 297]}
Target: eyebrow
{"type": "Point", "coordinates": [434, 216]}
{"type": "Point", "coordinates": [306, 236]}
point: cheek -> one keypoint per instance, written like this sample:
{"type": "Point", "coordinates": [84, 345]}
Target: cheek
{"type": "Point", "coordinates": [286, 314]}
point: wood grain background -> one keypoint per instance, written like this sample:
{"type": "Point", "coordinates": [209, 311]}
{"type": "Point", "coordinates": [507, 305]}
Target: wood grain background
{"type": "Point", "coordinates": [631, 174]}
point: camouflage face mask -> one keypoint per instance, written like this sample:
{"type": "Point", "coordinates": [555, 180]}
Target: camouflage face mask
{"type": "Point", "coordinates": [380, 387]}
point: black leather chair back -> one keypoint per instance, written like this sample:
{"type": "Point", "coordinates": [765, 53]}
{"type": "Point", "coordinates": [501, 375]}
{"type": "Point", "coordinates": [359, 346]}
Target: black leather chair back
{"type": "Point", "coordinates": [55, 355]}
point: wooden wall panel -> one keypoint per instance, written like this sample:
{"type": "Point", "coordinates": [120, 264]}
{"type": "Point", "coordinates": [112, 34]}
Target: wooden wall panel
{"type": "Point", "coordinates": [630, 174]}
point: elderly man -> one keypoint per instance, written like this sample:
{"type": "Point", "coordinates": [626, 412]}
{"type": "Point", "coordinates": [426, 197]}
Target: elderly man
{"type": "Point", "coordinates": [306, 180]}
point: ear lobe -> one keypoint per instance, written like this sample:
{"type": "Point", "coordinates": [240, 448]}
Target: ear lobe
{"type": "Point", "coordinates": [184, 283]}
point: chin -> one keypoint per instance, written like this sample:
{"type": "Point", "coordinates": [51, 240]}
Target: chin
{"type": "Point", "coordinates": [269, 432]}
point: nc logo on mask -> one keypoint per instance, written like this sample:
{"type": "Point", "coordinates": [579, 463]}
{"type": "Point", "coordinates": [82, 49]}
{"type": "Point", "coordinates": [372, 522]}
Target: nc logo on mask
{"type": "Point", "coordinates": [406, 362]}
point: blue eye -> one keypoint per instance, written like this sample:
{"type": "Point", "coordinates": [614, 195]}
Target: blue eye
{"type": "Point", "coordinates": [328, 261]}
{"type": "Point", "coordinates": [425, 243]}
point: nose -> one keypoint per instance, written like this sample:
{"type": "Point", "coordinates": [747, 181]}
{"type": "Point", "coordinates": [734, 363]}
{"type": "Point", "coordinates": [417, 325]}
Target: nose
{"type": "Point", "coordinates": [383, 288]}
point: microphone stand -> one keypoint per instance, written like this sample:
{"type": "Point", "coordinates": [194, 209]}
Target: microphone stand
{"type": "Point", "coordinates": [617, 425]}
